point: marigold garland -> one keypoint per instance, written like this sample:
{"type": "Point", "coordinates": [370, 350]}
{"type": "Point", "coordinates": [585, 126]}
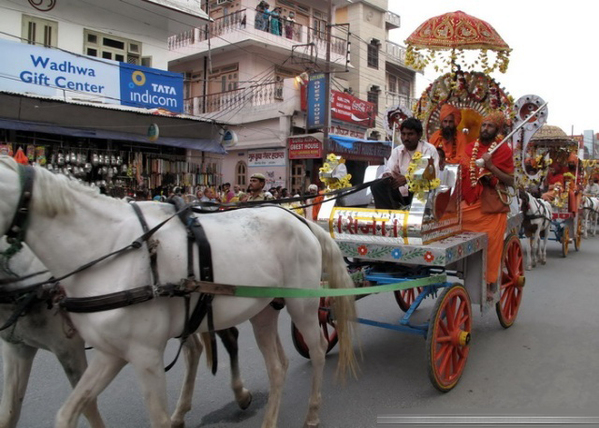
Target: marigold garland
{"type": "Point", "coordinates": [421, 185]}
{"type": "Point", "coordinates": [473, 167]}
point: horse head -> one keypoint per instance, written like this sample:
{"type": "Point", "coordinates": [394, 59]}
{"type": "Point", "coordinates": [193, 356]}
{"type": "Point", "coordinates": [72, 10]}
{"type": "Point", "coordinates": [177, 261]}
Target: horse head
{"type": "Point", "coordinates": [525, 200]}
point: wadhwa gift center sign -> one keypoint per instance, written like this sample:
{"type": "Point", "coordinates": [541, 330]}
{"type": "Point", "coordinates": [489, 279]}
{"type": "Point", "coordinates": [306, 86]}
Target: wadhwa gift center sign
{"type": "Point", "coordinates": [51, 72]}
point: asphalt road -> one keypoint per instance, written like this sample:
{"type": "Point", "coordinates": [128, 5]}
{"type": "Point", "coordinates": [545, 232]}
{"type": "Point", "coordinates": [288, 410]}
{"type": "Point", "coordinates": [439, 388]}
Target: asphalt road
{"type": "Point", "coordinates": [546, 364]}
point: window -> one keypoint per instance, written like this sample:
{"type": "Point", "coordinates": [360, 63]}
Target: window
{"type": "Point", "coordinates": [373, 54]}
{"type": "Point", "coordinates": [240, 174]}
{"type": "Point", "coordinates": [37, 31]}
{"type": "Point", "coordinates": [224, 79]}
{"type": "Point", "coordinates": [392, 82]}
{"type": "Point", "coordinates": [373, 97]}
{"type": "Point", "coordinates": [111, 47]}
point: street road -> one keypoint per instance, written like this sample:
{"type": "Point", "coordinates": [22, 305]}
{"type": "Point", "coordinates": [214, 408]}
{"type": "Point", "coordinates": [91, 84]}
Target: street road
{"type": "Point", "coordinates": [546, 364]}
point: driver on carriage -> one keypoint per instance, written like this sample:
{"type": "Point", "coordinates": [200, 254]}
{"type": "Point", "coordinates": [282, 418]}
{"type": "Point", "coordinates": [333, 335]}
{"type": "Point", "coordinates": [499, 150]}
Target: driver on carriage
{"type": "Point", "coordinates": [393, 192]}
{"type": "Point", "coordinates": [448, 137]}
{"type": "Point", "coordinates": [478, 182]}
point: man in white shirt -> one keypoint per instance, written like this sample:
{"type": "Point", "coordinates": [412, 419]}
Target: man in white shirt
{"type": "Point", "coordinates": [592, 188]}
{"type": "Point", "coordinates": [393, 193]}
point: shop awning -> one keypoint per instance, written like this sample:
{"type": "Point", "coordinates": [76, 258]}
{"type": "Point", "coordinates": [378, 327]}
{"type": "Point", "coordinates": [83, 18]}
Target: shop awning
{"type": "Point", "coordinates": [348, 142]}
{"type": "Point", "coordinates": [202, 144]}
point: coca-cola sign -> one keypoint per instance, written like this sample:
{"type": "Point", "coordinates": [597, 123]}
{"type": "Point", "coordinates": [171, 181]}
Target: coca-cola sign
{"type": "Point", "coordinates": [350, 109]}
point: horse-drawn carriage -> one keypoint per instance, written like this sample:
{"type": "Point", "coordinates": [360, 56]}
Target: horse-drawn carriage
{"type": "Point", "coordinates": [413, 252]}
{"type": "Point", "coordinates": [552, 167]}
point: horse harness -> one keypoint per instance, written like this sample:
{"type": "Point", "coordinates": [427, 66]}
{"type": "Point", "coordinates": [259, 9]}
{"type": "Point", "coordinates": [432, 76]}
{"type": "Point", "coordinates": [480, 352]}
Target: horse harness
{"type": "Point", "coordinates": [542, 212]}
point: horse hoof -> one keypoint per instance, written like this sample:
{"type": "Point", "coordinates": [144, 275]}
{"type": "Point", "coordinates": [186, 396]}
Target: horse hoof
{"type": "Point", "coordinates": [311, 424]}
{"type": "Point", "coordinates": [178, 424]}
{"type": "Point", "coordinates": [528, 268]}
{"type": "Point", "coordinates": [245, 403]}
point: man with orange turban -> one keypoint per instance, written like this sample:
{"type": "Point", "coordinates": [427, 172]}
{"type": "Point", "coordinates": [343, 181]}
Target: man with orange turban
{"type": "Point", "coordinates": [498, 167]}
{"type": "Point", "coordinates": [448, 137]}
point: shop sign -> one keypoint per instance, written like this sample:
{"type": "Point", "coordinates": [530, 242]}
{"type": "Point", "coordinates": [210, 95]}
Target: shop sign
{"type": "Point", "coordinates": [316, 101]}
{"type": "Point", "coordinates": [350, 109]}
{"type": "Point", "coordinates": [54, 73]}
{"type": "Point", "coordinates": [266, 157]}
{"type": "Point", "coordinates": [305, 148]}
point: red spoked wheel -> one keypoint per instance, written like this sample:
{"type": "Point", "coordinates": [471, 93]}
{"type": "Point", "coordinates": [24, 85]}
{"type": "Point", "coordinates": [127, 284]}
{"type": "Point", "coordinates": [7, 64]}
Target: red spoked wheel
{"type": "Point", "coordinates": [405, 298]}
{"type": "Point", "coordinates": [326, 324]}
{"type": "Point", "coordinates": [512, 282]}
{"type": "Point", "coordinates": [448, 338]}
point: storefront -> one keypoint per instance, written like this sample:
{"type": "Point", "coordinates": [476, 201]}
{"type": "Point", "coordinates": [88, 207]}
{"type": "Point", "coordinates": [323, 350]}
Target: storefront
{"type": "Point", "coordinates": [112, 124]}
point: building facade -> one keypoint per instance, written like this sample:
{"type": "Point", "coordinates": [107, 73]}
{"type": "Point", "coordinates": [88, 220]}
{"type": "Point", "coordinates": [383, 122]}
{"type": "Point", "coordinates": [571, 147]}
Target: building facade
{"type": "Point", "coordinates": [255, 67]}
{"type": "Point", "coordinates": [87, 92]}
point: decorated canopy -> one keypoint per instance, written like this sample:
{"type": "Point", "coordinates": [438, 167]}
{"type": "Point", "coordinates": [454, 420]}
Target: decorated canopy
{"type": "Point", "coordinates": [455, 32]}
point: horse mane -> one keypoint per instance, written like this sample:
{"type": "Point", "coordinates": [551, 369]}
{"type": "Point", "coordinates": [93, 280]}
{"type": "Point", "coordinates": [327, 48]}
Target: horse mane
{"type": "Point", "coordinates": [54, 192]}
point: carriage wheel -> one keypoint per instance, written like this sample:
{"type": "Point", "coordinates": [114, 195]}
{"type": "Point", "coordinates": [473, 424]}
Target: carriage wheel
{"type": "Point", "coordinates": [448, 337]}
{"type": "Point", "coordinates": [565, 240]}
{"type": "Point", "coordinates": [578, 238]}
{"type": "Point", "coordinates": [405, 298]}
{"type": "Point", "coordinates": [326, 325]}
{"type": "Point", "coordinates": [512, 282]}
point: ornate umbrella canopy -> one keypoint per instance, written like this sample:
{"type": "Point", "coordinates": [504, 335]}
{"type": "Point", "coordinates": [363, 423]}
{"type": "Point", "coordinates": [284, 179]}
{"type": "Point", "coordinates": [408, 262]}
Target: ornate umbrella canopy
{"type": "Point", "coordinates": [442, 40]}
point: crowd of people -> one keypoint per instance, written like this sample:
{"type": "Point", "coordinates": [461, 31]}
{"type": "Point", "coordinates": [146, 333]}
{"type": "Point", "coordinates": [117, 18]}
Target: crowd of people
{"type": "Point", "coordinates": [274, 21]}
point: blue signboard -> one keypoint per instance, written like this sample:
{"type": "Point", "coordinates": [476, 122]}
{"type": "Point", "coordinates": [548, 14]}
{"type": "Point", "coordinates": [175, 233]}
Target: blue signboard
{"type": "Point", "coordinates": [54, 73]}
{"type": "Point", "coordinates": [151, 88]}
{"type": "Point", "coordinates": [316, 101]}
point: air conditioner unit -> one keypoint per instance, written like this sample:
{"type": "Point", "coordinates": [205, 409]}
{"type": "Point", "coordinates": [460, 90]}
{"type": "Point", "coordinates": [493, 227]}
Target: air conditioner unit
{"type": "Point", "coordinates": [219, 2]}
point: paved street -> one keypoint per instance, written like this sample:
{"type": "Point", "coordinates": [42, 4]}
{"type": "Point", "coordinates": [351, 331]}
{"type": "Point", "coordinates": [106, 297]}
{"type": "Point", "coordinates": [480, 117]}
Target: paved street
{"type": "Point", "coordinates": [547, 363]}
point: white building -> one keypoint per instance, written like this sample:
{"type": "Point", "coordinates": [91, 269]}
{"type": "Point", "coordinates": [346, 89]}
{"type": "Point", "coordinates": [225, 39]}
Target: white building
{"type": "Point", "coordinates": [73, 82]}
{"type": "Point", "coordinates": [246, 74]}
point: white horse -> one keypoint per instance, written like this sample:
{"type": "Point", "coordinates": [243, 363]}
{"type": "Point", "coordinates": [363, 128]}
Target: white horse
{"type": "Point", "coordinates": [69, 225]}
{"type": "Point", "coordinates": [39, 328]}
{"type": "Point", "coordinates": [51, 329]}
{"type": "Point", "coordinates": [590, 206]}
{"type": "Point", "coordinates": [537, 226]}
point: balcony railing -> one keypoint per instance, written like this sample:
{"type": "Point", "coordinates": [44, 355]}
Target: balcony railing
{"type": "Point", "coordinates": [395, 51]}
{"type": "Point", "coordinates": [248, 20]}
{"type": "Point", "coordinates": [393, 19]}
{"type": "Point", "coordinates": [252, 96]}
{"type": "Point", "coordinates": [393, 99]}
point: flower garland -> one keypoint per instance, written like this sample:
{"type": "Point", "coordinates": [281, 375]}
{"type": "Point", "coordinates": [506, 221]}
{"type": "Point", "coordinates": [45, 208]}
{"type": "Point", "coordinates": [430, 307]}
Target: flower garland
{"type": "Point", "coordinates": [419, 186]}
{"type": "Point", "coordinates": [473, 167]}
{"type": "Point", "coordinates": [329, 176]}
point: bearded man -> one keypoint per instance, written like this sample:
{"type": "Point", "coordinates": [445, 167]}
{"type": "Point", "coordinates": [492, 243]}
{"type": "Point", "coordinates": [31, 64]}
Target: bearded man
{"type": "Point", "coordinates": [498, 167]}
{"type": "Point", "coordinates": [447, 137]}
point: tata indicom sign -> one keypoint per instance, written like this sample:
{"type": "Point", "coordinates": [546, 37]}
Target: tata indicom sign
{"type": "Point", "coordinates": [51, 72]}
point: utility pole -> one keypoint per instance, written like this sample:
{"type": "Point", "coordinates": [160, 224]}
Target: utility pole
{"type": "Point", "coordinates": [327, 79]}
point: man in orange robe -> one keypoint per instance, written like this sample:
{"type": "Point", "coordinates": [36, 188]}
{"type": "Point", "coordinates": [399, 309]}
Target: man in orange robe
{"type": "Point", "coordinates": [448, 137]}
{"type": "Point", "coordinates": [499, 166]}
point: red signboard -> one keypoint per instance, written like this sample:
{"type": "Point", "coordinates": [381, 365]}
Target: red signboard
{"type": "Point", "coordinates": [305, 148]}
{"type": "Point", "coordinates": [347, 108]}
{"type": "Point", "coordinates": [350, 109]}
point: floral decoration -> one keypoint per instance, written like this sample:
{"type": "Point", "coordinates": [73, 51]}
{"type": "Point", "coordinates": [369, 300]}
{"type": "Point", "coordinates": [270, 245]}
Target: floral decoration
{"type": "Point", "coordinates": [419, 186]}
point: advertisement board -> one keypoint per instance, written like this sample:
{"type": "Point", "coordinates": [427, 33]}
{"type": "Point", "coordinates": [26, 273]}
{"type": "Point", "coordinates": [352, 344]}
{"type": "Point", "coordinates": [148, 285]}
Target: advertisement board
{"type": "Point", "coordinates": [304, 148]}
{"type": "Point", "coordinates": [55, 73]}
{"type": "Point", "coordinates": [316, 101]}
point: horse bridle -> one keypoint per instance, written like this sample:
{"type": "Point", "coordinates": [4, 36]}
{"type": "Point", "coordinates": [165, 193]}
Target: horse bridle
{"type": "Point", "coordinates": [17, 229]}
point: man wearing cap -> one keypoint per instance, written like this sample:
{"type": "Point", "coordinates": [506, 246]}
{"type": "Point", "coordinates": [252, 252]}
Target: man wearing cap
{"type": "Point", "coordinates": [498, 167]}
{"type": "Point", "coordinates": [256, 187]}
{"type": "Point", "coordinates": [452, 141]}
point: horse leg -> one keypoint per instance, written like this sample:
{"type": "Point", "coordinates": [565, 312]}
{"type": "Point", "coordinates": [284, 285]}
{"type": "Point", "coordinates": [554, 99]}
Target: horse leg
{"type": "Point", "coordinates": [535, 238]}
{"type": "Point", "coordinates": [100, 372]}
{"type": "Point", "coordinates": [528, 254]}
{"type": "Point", "coordinates": [303, 313]}
{"type": "Point", "coordinates": [149, 367]}
{"type": "Point", "coordinates": [265, 330]}
{"type": "Point", "coordinates": [192, 350]}
{"type": "Point", "coordinates": [17, 359]}
{"type": "Point", "coordinates": [545, 238]}
{"type": "Point", "coordinates": [229, 339]}
{"type": "Point", "coordinates": [74, 362]}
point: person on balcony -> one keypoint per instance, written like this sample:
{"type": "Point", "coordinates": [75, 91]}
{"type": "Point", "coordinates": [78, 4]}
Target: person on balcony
{"type": "Point", "coordinates": [289, 24]}
{"type": "Point", "coordinates": [275, 21]}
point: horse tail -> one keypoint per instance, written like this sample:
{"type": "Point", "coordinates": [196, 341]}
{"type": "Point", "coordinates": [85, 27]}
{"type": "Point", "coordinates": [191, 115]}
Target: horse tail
{"type": "Point", "coordinates": [207, 341]}
{"type": "Point", "coordinates": [344, 307]}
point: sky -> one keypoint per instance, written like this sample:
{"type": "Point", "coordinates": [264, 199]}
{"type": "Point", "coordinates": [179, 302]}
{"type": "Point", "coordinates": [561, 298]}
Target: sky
{"type": "Point", "coordinates": [555, 51]}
